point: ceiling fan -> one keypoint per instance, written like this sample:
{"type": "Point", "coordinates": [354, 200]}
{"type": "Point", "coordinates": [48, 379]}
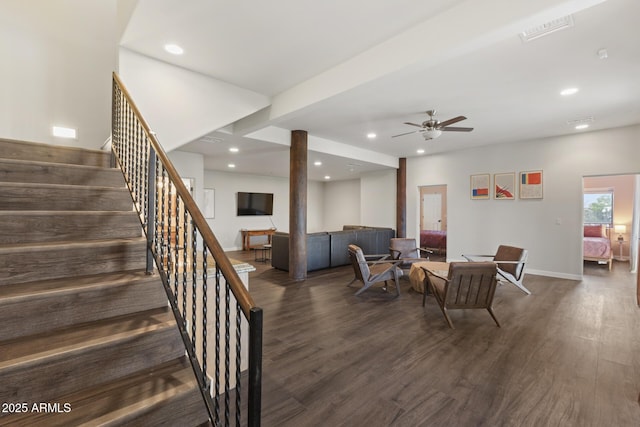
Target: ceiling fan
{"type": "Point", "coordinates": [433, 128]}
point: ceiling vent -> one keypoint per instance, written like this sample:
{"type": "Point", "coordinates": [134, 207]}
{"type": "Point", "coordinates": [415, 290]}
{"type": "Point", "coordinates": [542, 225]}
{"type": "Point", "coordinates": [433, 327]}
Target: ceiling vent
{"type": "Point", "coordinates": [546, 28]}
{"type": "Point", "coordinates": [211, 139]}
{"type": "Point", "coordinates": [581, 121]}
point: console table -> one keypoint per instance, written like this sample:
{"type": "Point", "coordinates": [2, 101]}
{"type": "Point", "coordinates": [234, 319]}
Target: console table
{"type": "Point", "coordinates": [247, 234]}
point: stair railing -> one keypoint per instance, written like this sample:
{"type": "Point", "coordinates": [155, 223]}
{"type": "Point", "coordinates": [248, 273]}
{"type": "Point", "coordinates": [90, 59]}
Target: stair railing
{"type": "Point", "coordinates": [197, 275]}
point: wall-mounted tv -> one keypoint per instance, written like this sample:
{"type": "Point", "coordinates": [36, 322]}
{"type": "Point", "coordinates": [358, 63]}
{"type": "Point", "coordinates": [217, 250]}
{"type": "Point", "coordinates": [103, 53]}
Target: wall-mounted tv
{"type": "Point", "coordinates": [255, 203]}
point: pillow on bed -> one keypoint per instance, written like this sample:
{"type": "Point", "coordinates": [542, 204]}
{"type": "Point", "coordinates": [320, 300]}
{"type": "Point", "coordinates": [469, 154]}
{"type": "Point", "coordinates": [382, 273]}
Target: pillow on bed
{"type": "Point", "coordinates": [594, 231]}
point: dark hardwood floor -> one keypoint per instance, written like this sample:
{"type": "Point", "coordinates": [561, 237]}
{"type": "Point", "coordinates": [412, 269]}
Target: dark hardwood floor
{"type": "Point", "coordinates": [567, 355]}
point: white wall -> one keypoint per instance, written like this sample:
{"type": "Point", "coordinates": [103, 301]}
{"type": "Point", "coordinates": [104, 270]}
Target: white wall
{"type": "Point", "coordinates": [227, 225]}
{"type": "Point", "coordinates": [378, 199]}
{"type": "Point", "coordinates": [182, 105]}
{"type": "Point", "coordinates": [341, 204]}
{"type": "Point", "coordinates": [52, 76]}
{"type": "Point", "coordinates": [190, 165]}
{"type": "Point", "coordinates": [550, 228]}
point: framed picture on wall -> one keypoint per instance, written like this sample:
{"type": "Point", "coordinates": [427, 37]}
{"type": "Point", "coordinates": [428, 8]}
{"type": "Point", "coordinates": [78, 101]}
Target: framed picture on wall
{"type": "Point", "coordinates": [531, 185]}
{"type": "Point", "coordinates": [504, 186]}
{"type": "Point", "coordinates": [480, 186]}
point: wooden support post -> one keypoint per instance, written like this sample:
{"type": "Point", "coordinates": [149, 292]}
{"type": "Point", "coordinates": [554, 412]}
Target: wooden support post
{"type": "Point", "coordinates": [298, 206]}
{"type": "Point", "coordinates": [401, 198]}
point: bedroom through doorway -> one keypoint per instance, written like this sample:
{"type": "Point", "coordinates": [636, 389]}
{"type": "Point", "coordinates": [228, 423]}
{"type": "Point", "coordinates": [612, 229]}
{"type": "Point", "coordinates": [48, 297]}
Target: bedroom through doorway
{"type": "Point", "coordinates": [433, 219]}
{"type": "Point", "coordinates": [610, 222]}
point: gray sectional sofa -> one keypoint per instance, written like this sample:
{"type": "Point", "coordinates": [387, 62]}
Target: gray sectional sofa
{"type": "Point", "coordinates": [329, 249]}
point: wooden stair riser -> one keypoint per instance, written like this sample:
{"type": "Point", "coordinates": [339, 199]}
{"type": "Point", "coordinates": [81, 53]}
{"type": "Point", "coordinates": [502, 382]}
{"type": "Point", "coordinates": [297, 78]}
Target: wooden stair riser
{"type": "Point", "coordinates": [20, 150]}
{"type": "Point", "coordinates": [55, 226]}
{"type": "Point", "coordinates": [54, 197]}
{"type": "Point", "coordinates": [22, 264]}
{"type": "Point", "coordinates": [47, 308]}
{"type": "Point", "coordinates": [169, 391]}
{"type": "Point", "coordinates": [59, 173]}
{"type": "Point", "coordinates": [42, 379]}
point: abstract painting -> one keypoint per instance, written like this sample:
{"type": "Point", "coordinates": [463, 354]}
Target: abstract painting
{"type": "Point", "coordinates": [504, 186]}
{"type": "Point", "coordinates": [480, 186]}
{"type": "Point", "coordinates": [531, 185]}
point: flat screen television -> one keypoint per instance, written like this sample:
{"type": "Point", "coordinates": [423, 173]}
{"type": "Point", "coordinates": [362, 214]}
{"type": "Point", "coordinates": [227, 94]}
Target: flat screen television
{"type": "Point", "coordinates": [255, 203]}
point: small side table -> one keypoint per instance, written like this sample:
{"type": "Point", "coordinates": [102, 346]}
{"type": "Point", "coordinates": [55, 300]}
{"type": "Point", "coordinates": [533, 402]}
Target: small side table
{"type": "Point", "coordinates": [265, 253]}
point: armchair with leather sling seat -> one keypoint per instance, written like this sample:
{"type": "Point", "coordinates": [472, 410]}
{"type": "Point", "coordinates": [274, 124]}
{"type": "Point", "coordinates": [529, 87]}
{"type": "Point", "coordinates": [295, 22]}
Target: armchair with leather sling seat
{"type": "Point", "coordinates": [510, 261]}
{"type": "Point", "coordinates": [406, 250]}
{"type": "Point", "coordinates": [369, 272]}
{"type": "Point", "coordinates": [467, 285]}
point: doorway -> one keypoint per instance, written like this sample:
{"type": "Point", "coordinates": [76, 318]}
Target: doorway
{"type": "Point", "coordinates": [433, 218]}
{"type": "Point", "coordinates": [610, 200]}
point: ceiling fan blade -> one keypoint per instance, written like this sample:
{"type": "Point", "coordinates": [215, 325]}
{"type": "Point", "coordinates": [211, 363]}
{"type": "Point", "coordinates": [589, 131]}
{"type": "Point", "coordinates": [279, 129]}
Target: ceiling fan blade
{"type": "Point", "coordinates": [457, 129]}
{"type": "Point", "coordinates": [406, 133]}
{"type": "Point", "coordinates": [451, 121]}
{"type": "Point", "coordinates": [412, 124]}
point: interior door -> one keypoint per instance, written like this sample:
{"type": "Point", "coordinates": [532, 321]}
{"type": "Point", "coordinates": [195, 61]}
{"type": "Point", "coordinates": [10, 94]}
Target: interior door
{"type": "Point", "coordinates": [433, 207]}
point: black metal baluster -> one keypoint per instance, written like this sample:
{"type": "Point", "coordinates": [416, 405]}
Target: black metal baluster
{"type": "Point", "coordinates": [150, 217]}
{"type": "Point", "coordinates": [170, 195]}
{"type": "Point", "coordinates": [157, 188]}
{"type": "Point", "coordinates": [145, 180]}
{"type": "Point", "coordinates": [227, 350]}
{"type": "Point", "coordinates": [204, 315]}
{"type": "Point", "coordinates": [238, 361]}
{"type": "Point", "coordinates": [255, 367]}
{"type": "Point", "coordinates": [194, 278]}
{"type": "Point", "coordinates": [163, 185]}
{"type": "Point", "coordinates": [184, 268]}
{"type": "Point", "coordinates": [217, 376]}
{"type": "Point", "coordinates": [177, 252]}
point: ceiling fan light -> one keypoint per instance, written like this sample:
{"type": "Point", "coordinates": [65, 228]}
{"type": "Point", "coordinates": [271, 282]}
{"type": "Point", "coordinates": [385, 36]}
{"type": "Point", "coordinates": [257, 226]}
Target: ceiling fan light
{"type": "Point", "coordinates": [431, 134]}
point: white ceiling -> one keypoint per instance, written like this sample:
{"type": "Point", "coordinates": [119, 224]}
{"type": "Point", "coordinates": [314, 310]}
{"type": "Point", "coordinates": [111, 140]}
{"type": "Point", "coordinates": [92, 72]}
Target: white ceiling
{"type": "Point", "coordinates": [341, 69]}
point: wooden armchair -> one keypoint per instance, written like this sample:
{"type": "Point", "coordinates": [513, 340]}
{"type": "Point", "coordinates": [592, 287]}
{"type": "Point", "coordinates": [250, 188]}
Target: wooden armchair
{"type": "Point", "coordinates": [467, 285]}
{"type": "Point", "coordinates": [406, 251]}
{"type": "Point", "coordinates": [510, 261]}
{"type": "Point", "coordinates": [373, 271]}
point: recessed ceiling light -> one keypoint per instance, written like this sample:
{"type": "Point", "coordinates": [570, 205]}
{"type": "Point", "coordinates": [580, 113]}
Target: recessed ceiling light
{"type": "Point", "coordinates": [231, 165]}
{"type": "Point", "coordinates": [569, 91]}
{"type": "Point", "coordinates": [234, 149]}
{"type": "Point", "coordinates": [582, 126]}
{"type": "Point", "coordinates": [371, 135]}
{"type": "Point", "coordinates": [63, 132]}
{"type": "Point", "coordinates": [420, 151]}
{"type": "Point", "coordinates": [317, 163]}
{"type": "Point", "coordinates": [603, 54]}
{"type": "Point", "coordinates": [173, 49]}
{"type": "Point", "coordinates": [327, 177]}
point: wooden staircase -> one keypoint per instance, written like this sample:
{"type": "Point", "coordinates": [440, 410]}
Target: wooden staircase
{"type": "Point", "coordinates": [87, 338]}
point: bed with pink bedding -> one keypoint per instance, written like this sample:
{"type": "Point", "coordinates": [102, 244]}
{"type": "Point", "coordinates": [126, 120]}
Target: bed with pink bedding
{"type": "Point", "coordinates": [434, 240]}
{"type": "Point", "coordinates": [597, 245]}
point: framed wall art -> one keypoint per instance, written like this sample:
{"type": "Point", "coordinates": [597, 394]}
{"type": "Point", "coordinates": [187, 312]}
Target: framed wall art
{"type": "Point", "coordinates": [504, 186]}
{"type": "Point", "coordinates": [531, 185]}
{"type": "Point", "coordinates": [480, 186]}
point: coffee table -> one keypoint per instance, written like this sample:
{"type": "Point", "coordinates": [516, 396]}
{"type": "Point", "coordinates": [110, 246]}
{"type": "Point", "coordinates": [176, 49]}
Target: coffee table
{"type": "Point", "coordinates": [416, 274]}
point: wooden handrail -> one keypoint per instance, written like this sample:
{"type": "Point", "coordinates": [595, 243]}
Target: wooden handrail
{"type": "Point", "coordinates": [237, 287]}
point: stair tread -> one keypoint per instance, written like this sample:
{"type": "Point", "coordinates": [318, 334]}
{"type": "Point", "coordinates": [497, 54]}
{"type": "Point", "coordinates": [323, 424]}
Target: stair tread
{"type": "Point", "coordinates": [54, 164]}
{"type": "Point", "coordinates": [33, 348]}
{"type": "Point", "coordinates": [46, 186]}
{"type": "Point", "coordinates": [73, 283]}
{"type": "Point", "coordinates": [28, 150]}
{"type": "Point", "coordinates": [121, 398]}
{"type": "Point", "coordinates": [33, 212]}
{"type": "Point", "coordinates": [27, 247]}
